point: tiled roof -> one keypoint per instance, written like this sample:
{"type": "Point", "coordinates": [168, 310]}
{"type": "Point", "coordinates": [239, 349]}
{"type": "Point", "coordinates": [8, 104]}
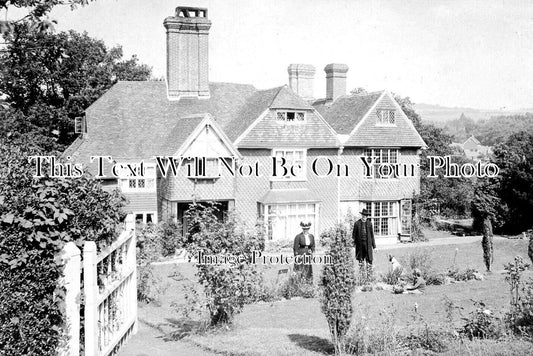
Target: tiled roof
{"type": "Point", "coordinates": [135, 120]}
{"type": "Point", "coordinates": [370, 133]}
{"type": "Point", "coordinates": [287, 99]}
{"type": "Point", "coordinates": [270, 132]}
{"type": "Point", "coordinates": [346, 112]}
{"type": "Point", "coordinates": [250, 111]}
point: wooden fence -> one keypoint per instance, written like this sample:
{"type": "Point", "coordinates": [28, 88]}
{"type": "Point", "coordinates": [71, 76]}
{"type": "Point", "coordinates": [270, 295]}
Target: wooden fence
{"type": "Point", "coordinates": [109, 293]}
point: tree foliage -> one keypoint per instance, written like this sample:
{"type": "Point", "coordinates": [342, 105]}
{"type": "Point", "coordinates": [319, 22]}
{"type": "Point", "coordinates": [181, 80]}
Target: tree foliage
{"type": "Point", "coordinates": [37, 17]}
{"type": "Point", "coordinates": [447, 196]}
{"type": "Point", "coordinates": [338, 284]}
{"type": "Point", "coordinates": [227, 286]}
{"type": "Point", "coordinates": [37, 217]}
{"type": "Point", "coordinates": [515, 160]}
{"type": "Point", "coordinates": [491, 131]}
{"type": "Point", "coordinates": [49, 79]}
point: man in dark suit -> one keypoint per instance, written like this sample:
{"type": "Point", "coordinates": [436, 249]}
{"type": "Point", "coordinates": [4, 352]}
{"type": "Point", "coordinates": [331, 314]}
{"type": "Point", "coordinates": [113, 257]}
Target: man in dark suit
{"type": "Point", "coordinates": [364, 242]}
{"type": "Point", "coordinates": [304, 244]}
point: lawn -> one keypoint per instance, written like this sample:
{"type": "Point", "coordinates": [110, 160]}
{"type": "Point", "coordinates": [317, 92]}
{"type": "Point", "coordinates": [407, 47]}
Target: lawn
{"type": "Point", "coordinates": [296, 327]}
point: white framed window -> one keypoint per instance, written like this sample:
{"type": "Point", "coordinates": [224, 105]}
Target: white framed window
{"type": "Point", "coordinates": [382, 162]}
{"type": "Point", "coordinates": [145, 217]}
{"type": "Point", "coordinates": [295, 159]}
{"type": "Point", "coordinates": [386, 117]}
{"type": "Point", "coordinates": [384, 215]}
{"type": "Point", "coordinates": [130, 182]}
{"type": "Point", "coordinates": [290, 116]}
{"type": "Point", "coordinates": [283, 220]}
{"type": "Point", "coordinates": [205, 168]}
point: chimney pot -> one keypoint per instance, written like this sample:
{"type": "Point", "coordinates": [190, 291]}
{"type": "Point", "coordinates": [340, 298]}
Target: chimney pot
{"type": "Point", "coordinates": [335, 80]}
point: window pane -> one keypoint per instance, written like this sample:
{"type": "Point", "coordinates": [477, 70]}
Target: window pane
{"type": "Point", "coordinates": [385, 226]}
{"type": "Point", "coordinates": [150, 183]}
{"type": "Point", "coordinates": [132, 183]}
{"type": "Point", "coordinates": [281, 116]}
{"type": "Point", "coordinates": [290, 116]}
{"type": "Point", "coordinates": [300, 116]}
{"type": "Point", "coordinates": [392, 117]}
{"type": "Point", "coordinates": [289, 156]}
{"type": "Point", "coordinates": [140, 183]}
{"type": "Point", "coordinates": [377, 209]}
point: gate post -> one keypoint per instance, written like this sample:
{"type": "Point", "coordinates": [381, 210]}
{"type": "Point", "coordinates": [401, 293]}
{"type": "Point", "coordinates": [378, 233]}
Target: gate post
{"type": "Point", "coordinates": [90, 288]}
{"type": "Point", "coordinates": [71, 260]}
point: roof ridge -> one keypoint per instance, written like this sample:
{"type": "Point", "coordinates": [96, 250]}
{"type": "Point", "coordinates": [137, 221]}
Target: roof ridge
{"type": "Point", "coordinates": [275, 96]}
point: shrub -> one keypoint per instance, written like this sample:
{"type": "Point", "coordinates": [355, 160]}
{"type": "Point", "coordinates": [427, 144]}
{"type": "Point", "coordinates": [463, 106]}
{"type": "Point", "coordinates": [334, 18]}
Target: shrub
{"type": "Point", "coordinates": [482, 323]}
{"type": "Point", "coordinates": [296, 286]}
{"type": "Point", "coordinates": [278, 245]}
{"type": "Point", "coordinates": [520, 317]}
{"type": "Point", "coordinates": [421, 259]}
{"type": "Point", "coordinates": [392, 277]}
{"type": "Point", "coordinates": [363, 339]}
{"type": "Point", "coordinates": [227, 288]}
{"type": "Point", "coordinates": [37, 217]}
{"type": "Point", "coordinates": [463, 275]}
{"type": "Point", "coordinates": [337, 286]}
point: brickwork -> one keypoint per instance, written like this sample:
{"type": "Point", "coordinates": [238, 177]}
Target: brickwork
{"type": "Point", "coordinates": [187, 56]}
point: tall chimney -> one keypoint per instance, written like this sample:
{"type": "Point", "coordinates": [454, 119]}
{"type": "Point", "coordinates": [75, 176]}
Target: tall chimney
{"type": "Point", "coordinates": [335, 80]}
{"type": "Point", "coordinates": [301, 80]}
{"type": "Point", "coordinates": [187, 53]}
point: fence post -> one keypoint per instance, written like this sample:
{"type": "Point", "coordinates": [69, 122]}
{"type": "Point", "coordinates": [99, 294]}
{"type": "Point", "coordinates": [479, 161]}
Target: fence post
{"type": "Point", "coordinates": [132, 262]}
{"type": "Point", "coordinates": [90, 288]}
{"type": "Point", "coordinates": [71, 260]}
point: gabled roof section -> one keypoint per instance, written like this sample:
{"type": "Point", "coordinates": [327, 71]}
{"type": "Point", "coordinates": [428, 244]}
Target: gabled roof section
{"type": "Point", "coordinates": [473, 139]}
{"type": "Point", "coordinates": [347, 111]}
{"type": "Point", "coordinates": [199, 123]}
{"type": "Point", "coordinates": [287, 99]}
{"type": "Point", "coordinates": [266, 131]}
{"type": "Point", "coordinates": [368, 132]}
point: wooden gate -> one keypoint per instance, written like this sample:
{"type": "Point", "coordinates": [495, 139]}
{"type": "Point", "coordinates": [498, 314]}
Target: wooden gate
{"type": "Point", "coordinates": [110, 289]}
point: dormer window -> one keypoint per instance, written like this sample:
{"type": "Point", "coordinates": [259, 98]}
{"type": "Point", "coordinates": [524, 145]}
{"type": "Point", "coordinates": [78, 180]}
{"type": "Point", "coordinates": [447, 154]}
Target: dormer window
{"type": "Point", "coordinates": [386, 117]}
{"type": "Point", "coordinates": [80, 125]}
{"type": "Point", "coordinates": [290, 116]}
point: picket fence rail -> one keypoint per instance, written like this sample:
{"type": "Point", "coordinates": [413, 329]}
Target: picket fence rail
{"type": "Point", "coordinates": [109, 293]}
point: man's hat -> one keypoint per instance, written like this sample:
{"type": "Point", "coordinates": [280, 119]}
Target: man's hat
{"type": "Point", "coordinates": [306, 225]}
{"type": "Point", "coordinates": [365, 212]}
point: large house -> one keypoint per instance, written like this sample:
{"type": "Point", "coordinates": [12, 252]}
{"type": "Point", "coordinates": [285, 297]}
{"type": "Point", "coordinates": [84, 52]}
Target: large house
{"type": "Point", "coordinates": [227, 138]}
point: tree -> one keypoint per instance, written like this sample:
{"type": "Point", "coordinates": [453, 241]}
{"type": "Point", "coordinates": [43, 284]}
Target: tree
{"type": "Point", "coordinates": [338, 284]}
{"type": "Point", "coordinates": [488, 211]}
{"type": "Point", "coordinates": [49, 79]}
{"type": "Point", "coordinates": [514, 157]}
{"type": "Point", "coordinates": [37, 217]}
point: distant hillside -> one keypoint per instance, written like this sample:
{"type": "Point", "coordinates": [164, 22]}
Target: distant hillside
{"type": "Point", "coordinates": [439, 114]}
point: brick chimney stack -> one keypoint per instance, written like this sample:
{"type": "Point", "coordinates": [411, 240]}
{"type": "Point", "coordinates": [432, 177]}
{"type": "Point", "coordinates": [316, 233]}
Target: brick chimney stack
{"type": "Point", "coordinates": [335, 80]}
{"type": "Point", "coordinates": [187, 53]}
{"type": "Point", "coordinates": [301, 80]}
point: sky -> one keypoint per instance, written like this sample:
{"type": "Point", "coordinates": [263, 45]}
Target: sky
{"type": "Point", "coordinates": [462, 53]}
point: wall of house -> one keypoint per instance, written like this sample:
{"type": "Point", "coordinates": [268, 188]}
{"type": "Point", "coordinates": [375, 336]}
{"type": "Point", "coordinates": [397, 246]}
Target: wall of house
{"type": "Point", "coordinates": [182, 188]}
{"type": "Point", "coordinates": [141, 202]}
{"type": "Point", "coordinates": [356, 187]}
{"type": "Point", "coordinates": [249, 190]}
